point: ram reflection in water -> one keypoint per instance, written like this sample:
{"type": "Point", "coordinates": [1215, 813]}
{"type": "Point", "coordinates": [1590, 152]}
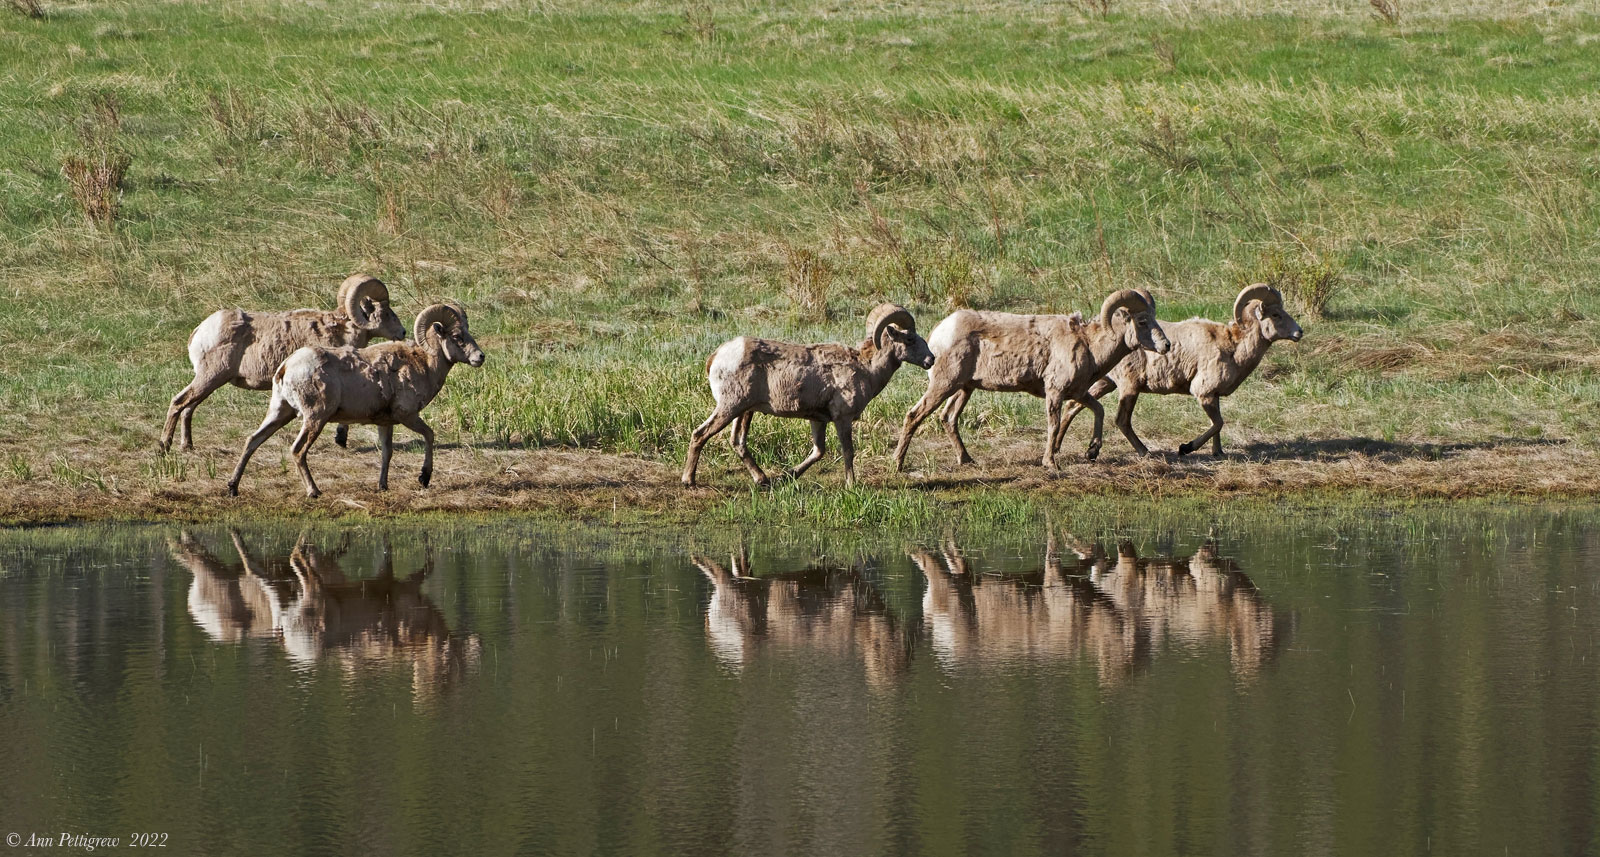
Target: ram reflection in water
{"type": "Point", "coordinates": [1115, 609]}
{"type": "Point", "coordinates": [305, 602]}
{"type": "Point", "coordinates": [816, 610]}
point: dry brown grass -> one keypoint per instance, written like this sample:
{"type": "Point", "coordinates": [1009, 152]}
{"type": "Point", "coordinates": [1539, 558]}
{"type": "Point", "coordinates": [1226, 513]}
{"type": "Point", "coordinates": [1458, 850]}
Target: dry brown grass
{"type": "Point", "coordinates": [1387, 11]}
{"type": "Point", "coordinates": [808, 280]}
{"type": "Point", "coordinates": [96, 184]}
{"type": "Point", "coordinates": [95, 175]}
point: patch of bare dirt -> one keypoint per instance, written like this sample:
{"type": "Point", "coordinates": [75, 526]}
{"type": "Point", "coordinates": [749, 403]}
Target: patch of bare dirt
{"type": "Point", "coordinates": [592, 485]}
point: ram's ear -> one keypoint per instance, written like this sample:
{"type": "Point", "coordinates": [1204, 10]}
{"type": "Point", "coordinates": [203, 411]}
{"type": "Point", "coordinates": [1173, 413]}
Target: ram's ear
{"type": "Point", "coordinates": [436, 329]}
{"type": "Point", "coordinates": [1258, 311]}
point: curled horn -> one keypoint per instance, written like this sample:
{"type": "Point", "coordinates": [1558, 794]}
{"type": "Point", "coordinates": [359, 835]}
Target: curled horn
{"type": "Point", "coordinates": [357, 289]}
{"type": "Point", "coordinates": [886, 314]}
{"type": "Point", "coordinates": [1130, 298]}
{"type": "Point", "coordinates": [1148, 298]}
{"type": "Point", "coordinates": [452, 317]}
{"type": "Point", "coordinates": [1258, 292]}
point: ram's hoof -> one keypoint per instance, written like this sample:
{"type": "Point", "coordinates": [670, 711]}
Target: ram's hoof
{"type": "Point", "coordinates": [313, 494]}
{"type": "Point", "coordinates": [233, 489]}
{"type": "Point", "coordinates": [1185, 449]}
{"type": "Point", "coordinates": [425, 477]}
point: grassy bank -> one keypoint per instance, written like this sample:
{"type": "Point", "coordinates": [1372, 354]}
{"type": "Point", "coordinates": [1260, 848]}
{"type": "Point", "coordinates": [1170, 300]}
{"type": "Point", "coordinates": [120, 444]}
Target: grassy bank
{"type": "Point", "coordinates": [612, 190]}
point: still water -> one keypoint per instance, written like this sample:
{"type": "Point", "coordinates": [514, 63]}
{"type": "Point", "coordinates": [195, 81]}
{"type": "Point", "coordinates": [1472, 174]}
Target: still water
{"type": "Point", "coordinates": [1422, 683]}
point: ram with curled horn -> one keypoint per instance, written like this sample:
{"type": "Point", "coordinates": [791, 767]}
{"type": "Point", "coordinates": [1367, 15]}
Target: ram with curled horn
{"type": "Point", "coordinates": [1054, 357]}
{"type": "Point", "coordinates": [1208, 360]}
{"type": "Point", "coordinates": [821, 383]}
{"type": "Point", "coordinates": [382, 385]}
{"type": "Point", "coordinates": [233, 346]}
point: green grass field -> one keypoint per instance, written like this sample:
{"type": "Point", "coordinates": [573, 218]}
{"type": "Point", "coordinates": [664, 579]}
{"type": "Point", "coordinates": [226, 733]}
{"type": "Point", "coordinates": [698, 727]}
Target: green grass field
{"type": "Point", "coordinates": [613, 189]}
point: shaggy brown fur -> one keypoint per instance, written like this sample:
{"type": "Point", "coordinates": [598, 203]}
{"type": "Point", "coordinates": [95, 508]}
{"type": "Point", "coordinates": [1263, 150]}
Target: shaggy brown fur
{"type": "Point", "coordinates": [821, 383]}
{"type": "Point", "coordinates": [1208, 360]}
{"type": "Point", "coordinates": [242, 348]}
{"type": "Point", "coordinates": [384, 385]}
{"type": "Point", "coordinates": [1054, 357]}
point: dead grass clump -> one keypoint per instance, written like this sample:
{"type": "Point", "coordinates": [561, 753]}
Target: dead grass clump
{"type": "Point", "coordinates": [939, 272]}
{"type": "Point", "coordinates": [235, 116]}
{"type": "Point", "coordinates": [96, 181]}
{"type": "Point", "coordinates": [500, 195]}
{"type": "Point", "coordinates": [808, 282]}
{"type": "Point", "coordinates": [1166, 53]}
{"type": "Point", "coordinates": [1387, 11]}
{"type": "Point", "coordinates": [1307, 282]}
{"type": "Point", "coordinates": [391, 193]}
{"type": "Point", "coordinates": [1390, 358]}
{"type": "Point", "coordinates": [28, 8]}
{"type": "Point", "coordinates": [95, 175]}
{"type": "Point", "coordinates": [1168, 145]}
{"type": "Point", "coordinates": [1370, 353]}
{"type": "Point", "coordinates": [1098, 8]}
{"type": "Point", "coordinates": [701, 20]}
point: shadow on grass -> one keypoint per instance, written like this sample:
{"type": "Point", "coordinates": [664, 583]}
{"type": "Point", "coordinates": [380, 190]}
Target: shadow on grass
{"type": "Point", "coordinates": [1343, 447]}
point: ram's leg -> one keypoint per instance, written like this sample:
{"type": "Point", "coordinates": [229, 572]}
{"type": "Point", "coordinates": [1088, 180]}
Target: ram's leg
{"type": "Point", "coordinates": [847, 448]}
{"type": "Point", "coordinates": [937, 392]}
{"type": "Point", "coordinates": [741, 430]}
{"type": "Point", "coordinates": [278, 416]}
{"type": "Point", "coordinates": [182, 408]}
{"type": "Point", "coordinates": [1213, 408]}
{"type": "Point", "coordinates": [416, 424]}
{"type": "Point", "coordinates": [718, 421]}
{"type": "Point", "coordinates": [385, 450]}
{"type": "Point", "coordinates": [1100, 388]}
{"type": "Point", "coordinates": [819, 447]}
{"type": "Point", "coordinates": [952, 423]}
{"type": "Point", "coordinates": [310, 429]}
{"type": "Point", "coordinates": [341, 436]}
{"type": "Point", "coordinates": [1094, 407]}
{"type": "Point", "coordinates": [737, 435]}
{"type": "Point", "coordinates": [1053, 430]}
{"type": "Point", "coordinates": [1125, 422]}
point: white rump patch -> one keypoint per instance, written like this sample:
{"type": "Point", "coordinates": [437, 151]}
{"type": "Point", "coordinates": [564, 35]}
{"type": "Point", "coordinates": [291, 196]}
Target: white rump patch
{"type": "Point", "coordinates": [724, 365]}
{"type": "Point", "coordinates": [206, 337]}
{"type": "Point", "coordinates": [942, 336]}
{"type": "Point", "coordinates": [297, 368]}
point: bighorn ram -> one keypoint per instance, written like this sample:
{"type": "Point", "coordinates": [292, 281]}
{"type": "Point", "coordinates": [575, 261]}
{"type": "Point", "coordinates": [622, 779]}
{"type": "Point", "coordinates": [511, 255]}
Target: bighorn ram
{"type": "Point", "coordinates": [1055, 357]}
{"type": "Point", "coordinates": [244, 348]}
{"type": "Point", "coordinates": [820, 383]}
{"type": "Point", "coordinates": [384, 386]}
{"type": "Point", "coordinates": [1208, 360]}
